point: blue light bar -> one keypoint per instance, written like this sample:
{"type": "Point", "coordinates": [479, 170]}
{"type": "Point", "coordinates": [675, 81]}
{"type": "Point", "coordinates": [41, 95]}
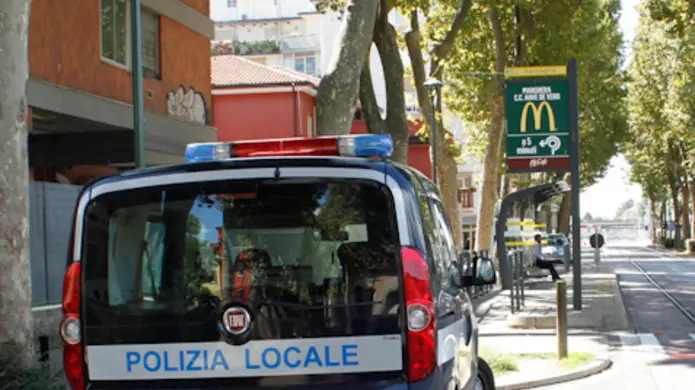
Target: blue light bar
{"type": "Point", "coordinates": [205, 152]}
{"type": "Point", "coordinates": [365, 145]}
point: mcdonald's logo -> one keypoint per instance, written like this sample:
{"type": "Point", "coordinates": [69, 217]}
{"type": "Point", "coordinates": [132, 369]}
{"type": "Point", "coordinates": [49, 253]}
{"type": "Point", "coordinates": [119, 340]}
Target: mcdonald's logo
{"type": "Point", "coordinates": [537, 111]}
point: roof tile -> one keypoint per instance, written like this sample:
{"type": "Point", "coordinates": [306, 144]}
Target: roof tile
{"type": "Point", "coordinates": [233, 71]}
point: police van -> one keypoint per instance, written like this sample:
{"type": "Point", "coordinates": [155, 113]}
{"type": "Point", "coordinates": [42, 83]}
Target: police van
{"type": "Point", "coordinates": [294, 263]}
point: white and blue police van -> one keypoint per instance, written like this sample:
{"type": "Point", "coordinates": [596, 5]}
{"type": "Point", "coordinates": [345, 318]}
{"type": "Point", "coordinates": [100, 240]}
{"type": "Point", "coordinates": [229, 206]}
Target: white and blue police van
{"type": "Point", "coordinates": [294, 263]}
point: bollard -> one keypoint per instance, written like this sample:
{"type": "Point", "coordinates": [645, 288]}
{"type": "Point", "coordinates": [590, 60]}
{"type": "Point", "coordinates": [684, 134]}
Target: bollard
{"type": "Point", "coordinates": [513, 286]}
{"type": "Point", "coordinates": [519, 267]}
{"type": "Point", "coordinates": [561, 318]}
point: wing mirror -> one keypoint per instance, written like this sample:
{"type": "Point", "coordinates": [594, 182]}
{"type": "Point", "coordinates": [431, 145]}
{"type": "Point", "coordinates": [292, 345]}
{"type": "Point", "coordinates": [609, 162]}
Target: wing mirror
{"type": "Point", "coordinates": [481, 273]}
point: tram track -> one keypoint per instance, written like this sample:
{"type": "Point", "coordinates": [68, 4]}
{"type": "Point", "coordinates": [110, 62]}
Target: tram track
{"type": "Point", "coordinates": [674, 301]}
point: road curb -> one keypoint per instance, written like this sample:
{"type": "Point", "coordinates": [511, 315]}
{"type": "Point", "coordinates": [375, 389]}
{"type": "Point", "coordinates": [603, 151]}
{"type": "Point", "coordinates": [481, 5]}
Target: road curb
{"type": "Point", "coordinates": [483, 305]}
{"type": "Point", "coordinates": [593, 368]}
{"type": "Point", "coordinates": [620, 298]}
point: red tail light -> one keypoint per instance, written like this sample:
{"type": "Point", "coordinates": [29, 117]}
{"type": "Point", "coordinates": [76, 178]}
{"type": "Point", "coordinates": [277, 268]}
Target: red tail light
{"type": "Point", "coordinates": [422, 353]}
{"type": "Point", "coordinates": [70, 329]}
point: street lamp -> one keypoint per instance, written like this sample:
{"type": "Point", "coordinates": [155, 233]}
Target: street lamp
{"type": "Point", "coordinates": [436, 86]}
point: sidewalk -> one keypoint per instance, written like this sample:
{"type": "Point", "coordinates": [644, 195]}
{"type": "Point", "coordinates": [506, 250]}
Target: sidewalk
{"type": "Point", "coordinates": [593, 331]}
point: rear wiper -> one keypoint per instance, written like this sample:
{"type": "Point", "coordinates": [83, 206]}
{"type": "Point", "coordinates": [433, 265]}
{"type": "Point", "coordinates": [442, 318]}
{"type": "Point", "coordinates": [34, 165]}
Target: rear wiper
{"type": "Point", "coordinates": [294, 305]}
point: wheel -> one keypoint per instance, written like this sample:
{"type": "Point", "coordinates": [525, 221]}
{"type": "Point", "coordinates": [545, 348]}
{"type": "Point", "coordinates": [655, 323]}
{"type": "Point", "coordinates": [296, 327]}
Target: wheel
{"type": "Point", "coordinates": [485, 379]}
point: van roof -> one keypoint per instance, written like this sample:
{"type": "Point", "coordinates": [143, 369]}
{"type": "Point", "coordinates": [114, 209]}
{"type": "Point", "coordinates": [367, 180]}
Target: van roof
{"type": "Point", "coordinates": [258, 162]}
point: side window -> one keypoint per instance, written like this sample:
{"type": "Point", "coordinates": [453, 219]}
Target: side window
{"type": "Point", "coordinates": [429, 229]}
{"type": "Point", "coordinates": [447, 250]}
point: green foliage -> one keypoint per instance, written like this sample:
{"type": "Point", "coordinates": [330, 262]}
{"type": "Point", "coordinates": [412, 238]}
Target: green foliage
{"type": "Point", "coordinates": [553, 31]}
{"type": "Point", "coordinates": [679, 14]}
{"type": "Point", "coordinates": [661, 104]}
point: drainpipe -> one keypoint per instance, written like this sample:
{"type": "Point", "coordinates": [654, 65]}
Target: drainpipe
{"type": "Point", "coordinates": [294, 109]}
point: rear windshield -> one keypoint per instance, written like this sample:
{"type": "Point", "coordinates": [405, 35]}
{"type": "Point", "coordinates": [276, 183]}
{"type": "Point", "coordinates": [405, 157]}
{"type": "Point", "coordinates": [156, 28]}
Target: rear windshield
{"type": "Point", "coordinates": [313, 259]}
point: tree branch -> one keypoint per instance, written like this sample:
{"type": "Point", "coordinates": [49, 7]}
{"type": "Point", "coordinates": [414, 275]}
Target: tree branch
{"type": "Point", "coordinates": [338, 88]}
{"type": "Point", "coordinates": [493, 16]}
{"type": "Point", "coordinates": [417, 61]}
{"type": "Point", "coordinates": [442, 49]}
{"type": "Point", "coordinates": [396, 119]}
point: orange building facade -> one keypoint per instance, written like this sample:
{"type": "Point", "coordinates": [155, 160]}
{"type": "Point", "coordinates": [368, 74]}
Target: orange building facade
{"type": "Point", "coordinates": [80, 87]}
{"type": "Point", "coordinates": [256, 101]}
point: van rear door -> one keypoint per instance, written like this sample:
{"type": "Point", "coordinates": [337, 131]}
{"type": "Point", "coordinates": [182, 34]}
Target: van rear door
{"type": "Point", "coordinates": [243, 284]}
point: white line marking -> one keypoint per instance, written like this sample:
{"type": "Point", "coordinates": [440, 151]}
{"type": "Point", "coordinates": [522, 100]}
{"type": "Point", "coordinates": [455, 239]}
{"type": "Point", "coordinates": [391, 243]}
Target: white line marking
{"type": "Point", "coordinates": [650, 345]}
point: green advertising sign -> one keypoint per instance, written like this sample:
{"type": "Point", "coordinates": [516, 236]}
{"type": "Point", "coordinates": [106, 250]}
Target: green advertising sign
{"type": "Point", "coordinates": [537, 113]}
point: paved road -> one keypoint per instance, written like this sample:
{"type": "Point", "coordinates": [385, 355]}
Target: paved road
{"type": "Point", "coordinates": [660, 355]}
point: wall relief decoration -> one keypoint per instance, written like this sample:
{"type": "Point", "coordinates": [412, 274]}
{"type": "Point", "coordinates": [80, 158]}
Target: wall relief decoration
{"type": "Point", "coordinates": [187, 105]}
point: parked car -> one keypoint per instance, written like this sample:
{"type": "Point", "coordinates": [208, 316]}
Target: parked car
{"type": "Point", "coordinates": [554, 249]}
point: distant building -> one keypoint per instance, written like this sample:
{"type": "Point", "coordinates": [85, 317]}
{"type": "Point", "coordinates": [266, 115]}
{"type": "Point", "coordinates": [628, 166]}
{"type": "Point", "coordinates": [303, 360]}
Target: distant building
{"type": "Point", "coordinates": [289, 33]}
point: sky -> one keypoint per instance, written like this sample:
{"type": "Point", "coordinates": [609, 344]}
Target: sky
{"type": "Point", "coordinates": [603, 198]}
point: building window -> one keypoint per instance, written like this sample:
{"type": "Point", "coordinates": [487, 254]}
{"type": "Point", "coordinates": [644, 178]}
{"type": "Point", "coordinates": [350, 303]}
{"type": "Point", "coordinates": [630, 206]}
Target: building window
{"type": "Point", "coordinates": [305, 64]}
{"type": "Point", "coordinates": [150, 44]}
{"type": "Point", "coordinates": [114, 32]}
{"type": "Point", "coordinates": [231, 3]}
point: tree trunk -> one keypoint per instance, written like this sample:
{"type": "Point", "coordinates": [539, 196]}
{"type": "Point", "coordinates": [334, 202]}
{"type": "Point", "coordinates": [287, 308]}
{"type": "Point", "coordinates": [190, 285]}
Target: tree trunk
{"type": "Point", "coordinates": [674, 190]}
{"type": "Point", "coordinates": [685, 208]}
{"type": "Point", "coordinates": [563, 215]}
{"type": "Point", "coordinates": [692, 213]}
{"type": "Point", "coordinates": [340, 84]}
{"type": "Point", "coordinates": [652, 217]}
{"type": "Point", "coordinates": [491, 163]}
{"type": "Point", "coordinates": [446, 165]}
{"type": "Point", "coordinates": [396, 119]}
{"type": "Point", "coordinates": [662, 219]}
{"type": "Point", "coordinates": [15, 275]}
{"type": "Point", "coordinates": [370, 107]}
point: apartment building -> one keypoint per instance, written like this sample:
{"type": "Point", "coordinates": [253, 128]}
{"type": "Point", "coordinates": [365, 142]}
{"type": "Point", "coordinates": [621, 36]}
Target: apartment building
{"type": "Point", "coordinates": [80, 86]}
{"type": "Point", "coordinates": [288, 33]}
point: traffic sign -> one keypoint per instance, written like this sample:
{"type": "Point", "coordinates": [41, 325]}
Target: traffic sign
{"type": "Point", "coordinates": [537, 113]}
{"type": "Point", "coordinates": [596, 240]}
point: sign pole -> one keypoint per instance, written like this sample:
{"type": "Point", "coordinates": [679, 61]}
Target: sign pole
{"type": "Point", "coordinates": [573, 99]}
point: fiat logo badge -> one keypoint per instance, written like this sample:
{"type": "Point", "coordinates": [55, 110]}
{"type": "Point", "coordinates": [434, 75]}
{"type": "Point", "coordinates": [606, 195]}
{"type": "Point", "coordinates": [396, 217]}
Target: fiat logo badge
{"type": "Point", "coordinates": [236, 320]}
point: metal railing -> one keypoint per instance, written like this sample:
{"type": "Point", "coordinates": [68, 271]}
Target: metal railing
{"type": "Point", "coordinates": [517, 294]}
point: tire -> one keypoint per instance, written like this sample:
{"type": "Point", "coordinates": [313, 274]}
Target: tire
{"type": "Point", "coordinates": [485, 378]}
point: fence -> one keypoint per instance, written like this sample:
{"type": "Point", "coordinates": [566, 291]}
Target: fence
{"type": "Point", "coordinates": [517, 294]}
{"type": "Point", "coordinates": [51, 210]}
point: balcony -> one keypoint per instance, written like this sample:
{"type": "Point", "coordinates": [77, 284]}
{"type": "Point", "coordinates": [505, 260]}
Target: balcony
{"type": "Point", "coordinates": [301, 43]}
{"type": "Point", "coordinates": [467, 199]}
{"type": "Point", "coordinates": [246, 48]}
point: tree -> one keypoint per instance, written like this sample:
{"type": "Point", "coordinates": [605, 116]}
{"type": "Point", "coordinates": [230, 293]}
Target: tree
{"type": "Point", "coordinates": [396, 122]}
{"type": "Point", "coordinates": [15, 276]}
{"type": "Point", "coordinates": [661, 112]}
{"type": "Point", "coordinates": [444, 28]}
{"type": "Point", "coordinates": [588, 217]}
{"type": "Point", "coordinates": [339, 86]}
{"type": "Point", "coordinates": [545, 32]}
